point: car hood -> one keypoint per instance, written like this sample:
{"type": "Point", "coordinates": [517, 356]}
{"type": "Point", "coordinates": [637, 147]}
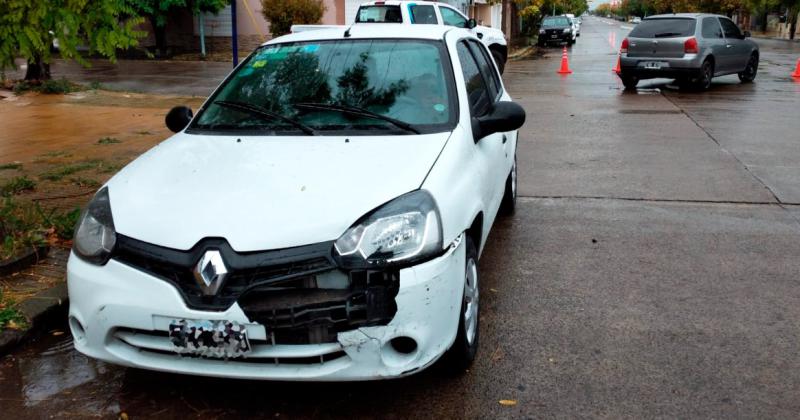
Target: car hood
{"type": "Point", "coordinates": [264, 193]}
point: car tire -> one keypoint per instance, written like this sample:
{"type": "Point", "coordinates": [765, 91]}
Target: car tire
{"type": "Point", "coordinates": [498, 58]}
{"type": "Point", "coordinates": [629, 81]}
{"type": "Point", "coordinates": [461, 354]}
{"type": "Point", "coordinates": [749, 73]}
{"type": "Point", "coordinates": [703, 81]}
{"type": "Point", "coordinates": [509, 202]}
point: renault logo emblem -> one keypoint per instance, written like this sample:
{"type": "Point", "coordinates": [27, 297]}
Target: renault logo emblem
{"type": "Point", "coordinates": [210, 272]}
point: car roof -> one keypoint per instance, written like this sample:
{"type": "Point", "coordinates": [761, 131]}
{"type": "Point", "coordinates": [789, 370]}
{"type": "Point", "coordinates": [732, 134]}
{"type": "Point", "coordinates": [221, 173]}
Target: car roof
{"type": "Point", "coordinates": [681, 15]}
{"type": "Point", "coordinates": [368, 31]}
{"type": "Point", "coordinates": [401, 2]}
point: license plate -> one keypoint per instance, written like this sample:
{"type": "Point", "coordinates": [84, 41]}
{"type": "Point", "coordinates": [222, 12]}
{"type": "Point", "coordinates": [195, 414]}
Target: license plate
{"type": "Point", "coordinates": [222, 339]}
{"type": "Point", "coordinates": [654, 65]}
{"type": "Point", "coordinates": [553, 36]}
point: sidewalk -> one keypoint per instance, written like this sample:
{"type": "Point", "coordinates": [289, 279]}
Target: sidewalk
{"type": "Point", "coordinates": [164, 77]}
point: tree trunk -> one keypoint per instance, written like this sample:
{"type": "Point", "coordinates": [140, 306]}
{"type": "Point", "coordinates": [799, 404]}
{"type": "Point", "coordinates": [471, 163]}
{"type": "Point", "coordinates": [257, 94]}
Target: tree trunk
{"type": "Point", "coordinates": [160, 32]}
{"type": "Point", "coordinates": [37, 70]}
{"type": "Point", "coordinates": [763, 23]}
{"type": "Point", "coordinates": [793, 25]}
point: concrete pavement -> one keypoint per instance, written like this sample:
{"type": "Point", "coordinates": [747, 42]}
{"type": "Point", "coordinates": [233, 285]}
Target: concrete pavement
{"type": "Point", "coordinates": [651, 270]}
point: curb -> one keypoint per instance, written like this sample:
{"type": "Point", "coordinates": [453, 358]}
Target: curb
{"type": "Point", "coordinates": [41, 311]}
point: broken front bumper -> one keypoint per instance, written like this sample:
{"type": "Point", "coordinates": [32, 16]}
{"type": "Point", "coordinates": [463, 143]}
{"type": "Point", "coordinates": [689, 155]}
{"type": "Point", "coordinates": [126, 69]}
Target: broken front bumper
{"type": "Point", "coordinates": [121, 315]}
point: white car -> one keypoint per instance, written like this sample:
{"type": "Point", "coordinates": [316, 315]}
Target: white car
{"type": "Point", "coordinates": [319, 218]}
{"type": "Point", "coordinates": [426, 13]}
{"type": "Point", "coordinates": [576, 24]}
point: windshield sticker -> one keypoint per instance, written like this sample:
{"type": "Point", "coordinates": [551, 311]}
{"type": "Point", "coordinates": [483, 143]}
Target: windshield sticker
{"type": "Point", "coordinates": [258, 64]}
{"type": "Point", "coordinates": [439, 107]}
{"type": "Point", "coordinates": [310, 48]}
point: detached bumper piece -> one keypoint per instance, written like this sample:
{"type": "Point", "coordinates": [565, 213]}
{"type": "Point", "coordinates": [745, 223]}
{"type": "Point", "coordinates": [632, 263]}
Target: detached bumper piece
{"type": "Point", "coordinates": [298, 294]}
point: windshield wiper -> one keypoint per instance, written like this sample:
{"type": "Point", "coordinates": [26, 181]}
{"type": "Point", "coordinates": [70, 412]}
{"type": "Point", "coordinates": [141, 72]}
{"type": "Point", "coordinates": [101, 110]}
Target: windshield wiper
{"type": "Point", "coordinates": [266, 114]}
{"type": "Point", "coordinates": [352, 110]}
{"type": "Point", "coordinates": [664, 34]}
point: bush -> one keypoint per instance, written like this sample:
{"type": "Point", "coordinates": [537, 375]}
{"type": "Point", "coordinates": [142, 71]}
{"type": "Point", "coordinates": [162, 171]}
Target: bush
{"type": "Point", "coordinates": [282, 14]}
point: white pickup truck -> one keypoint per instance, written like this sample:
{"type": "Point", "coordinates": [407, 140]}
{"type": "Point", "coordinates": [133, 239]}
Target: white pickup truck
{"type": "Point", "coordinates": [424, 13]}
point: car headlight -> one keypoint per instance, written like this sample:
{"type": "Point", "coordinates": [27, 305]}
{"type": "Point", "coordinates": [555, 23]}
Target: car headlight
{"type": "Point", "coordinates": [541, 31]}
{"type": "Point", "coordinates": [404, 230]}
{"type": "Point", "coordinates": [95, 236]}
{"type": "Point", "coordinates": [567, 30]}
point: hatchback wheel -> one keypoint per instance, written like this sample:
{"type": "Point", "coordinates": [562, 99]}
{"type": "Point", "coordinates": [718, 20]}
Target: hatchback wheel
{"type": "Point", "coordinates": [460, 356]}
{"type": "Point", "coordinates": [510, 196]}
{"type": "Point", "coordinates": [706, 74]}
{"type": "Point", "coordinates": [749, 73]}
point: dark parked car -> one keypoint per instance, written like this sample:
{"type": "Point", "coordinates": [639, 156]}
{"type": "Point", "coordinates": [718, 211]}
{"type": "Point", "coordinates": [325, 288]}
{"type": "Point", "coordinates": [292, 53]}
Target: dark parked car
{"type": "Point", "coordinates": [557, 29]}
{"type": "Point", "coordinates": [692, 48]}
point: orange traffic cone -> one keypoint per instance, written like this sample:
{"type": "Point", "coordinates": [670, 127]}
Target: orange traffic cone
{"type": "Point", "coordinates": [797, 70]}
{"type": "Point", "coordinates": [618, 68]}
{"type": "Point", "coordinates": [564, 63]}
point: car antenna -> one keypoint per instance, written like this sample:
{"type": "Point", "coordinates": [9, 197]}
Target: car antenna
{"type": "Point", "coordinates": [347, 32]}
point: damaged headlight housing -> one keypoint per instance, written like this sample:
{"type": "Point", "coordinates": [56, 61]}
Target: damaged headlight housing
{"type": "Point", "coordinates": [404, 230]}
{"type": "Point", "coordinates": [95, 236]}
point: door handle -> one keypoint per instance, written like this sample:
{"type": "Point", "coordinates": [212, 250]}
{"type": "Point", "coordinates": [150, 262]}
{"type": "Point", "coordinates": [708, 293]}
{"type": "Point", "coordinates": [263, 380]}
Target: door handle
{"type": "Point", "coordinates": [505, 139]}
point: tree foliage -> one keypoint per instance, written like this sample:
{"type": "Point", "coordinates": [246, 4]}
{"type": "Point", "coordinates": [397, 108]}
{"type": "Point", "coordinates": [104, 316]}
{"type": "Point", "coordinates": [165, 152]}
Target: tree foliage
{"type": "Point", "coordinates": [282, 14]}
{"type": "Point", "coordinates": [28, 29]}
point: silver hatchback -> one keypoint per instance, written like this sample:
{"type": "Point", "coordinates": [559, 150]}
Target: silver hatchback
{"type": "Point", "coordinates": [692, 48]}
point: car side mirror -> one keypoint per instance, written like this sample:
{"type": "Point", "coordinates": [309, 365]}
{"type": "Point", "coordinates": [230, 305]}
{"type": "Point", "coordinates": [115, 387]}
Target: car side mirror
{"type": "Point", "coordinates": [178, 118]}
{"type": "Point", "coordinates": [471, 23]}
{"type": "Point", "coordinates": [504, 116]}
{"type": "Point", "coordinates": [746, 34]}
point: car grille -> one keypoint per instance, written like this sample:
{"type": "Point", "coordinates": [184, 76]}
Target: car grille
{"type": "Point", "coordinates": [289, 291]}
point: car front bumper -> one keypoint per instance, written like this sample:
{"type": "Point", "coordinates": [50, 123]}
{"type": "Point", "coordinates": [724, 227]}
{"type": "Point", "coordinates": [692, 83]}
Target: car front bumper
{"type": "Point", "coordinates": [121, 315]}
{"type": "Point", "coordinates": [561, 38]}
{"type": "Point", "coordinates": [687, 66]}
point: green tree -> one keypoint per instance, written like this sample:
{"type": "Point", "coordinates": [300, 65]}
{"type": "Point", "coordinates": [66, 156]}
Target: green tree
{"type": "Point", "coordinates": [157, 11]}
{"type": "Point", "coordinates": [28, 29]}
{"type": "Point", "coordinates": [282, 14]}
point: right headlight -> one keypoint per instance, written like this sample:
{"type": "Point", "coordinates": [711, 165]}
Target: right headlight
{"type": "Point", "coordinates": [404, 230]}
{"type": "Point", "coordinates": [95, 236]}
{"type": "Point", "coordinates": [567, 30]}
{"type": "Point", "coordinates": [542, 31]}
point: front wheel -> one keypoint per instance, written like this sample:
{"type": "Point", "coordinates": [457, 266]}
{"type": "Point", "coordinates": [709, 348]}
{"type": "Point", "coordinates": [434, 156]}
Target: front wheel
{"type": "Point", "coordinates": [461, 354]}
{"type": "Point", "coordinates": [749, 73]}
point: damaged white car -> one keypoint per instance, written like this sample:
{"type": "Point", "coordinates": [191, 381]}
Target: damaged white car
{"type": "Point", "coordinates": [319, 218]}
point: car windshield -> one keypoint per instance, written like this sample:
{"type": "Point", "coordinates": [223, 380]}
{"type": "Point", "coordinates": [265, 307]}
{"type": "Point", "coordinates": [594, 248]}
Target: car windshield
{"type": "Point", "coordinates": [555, 21]}
{"type": "Point", "coordinates": [336, 87]}
{"type": "Point", "coordinates": [664, 28]}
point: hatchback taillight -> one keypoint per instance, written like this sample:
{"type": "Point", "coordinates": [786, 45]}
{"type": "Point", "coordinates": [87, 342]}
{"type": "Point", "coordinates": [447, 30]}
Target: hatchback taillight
{"type": "Point", "coordinates": [624, 48]}
{"type": "Point", "coordinates": [690, 46]}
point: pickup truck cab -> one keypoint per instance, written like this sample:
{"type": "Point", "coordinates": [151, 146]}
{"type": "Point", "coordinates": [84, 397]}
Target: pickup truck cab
{"type": "Point", "coordinates": [433, 13]}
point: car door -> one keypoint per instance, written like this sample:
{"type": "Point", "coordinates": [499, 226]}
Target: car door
{"type": "Point", "coordinates": [737, 50]}
{"type": "Point", "coordinates": [490, 149]}
{"type": "Point", "coordinates": [713, 39]}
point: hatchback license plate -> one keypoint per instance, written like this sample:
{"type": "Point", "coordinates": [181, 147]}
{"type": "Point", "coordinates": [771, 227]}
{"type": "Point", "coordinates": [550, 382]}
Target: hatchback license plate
{"type": "Point", "coordinates": [222, 339]}
{"type": "Point", "coordinates": [553, 36]}
{"type": "Point", "coordinates": [654, 65]}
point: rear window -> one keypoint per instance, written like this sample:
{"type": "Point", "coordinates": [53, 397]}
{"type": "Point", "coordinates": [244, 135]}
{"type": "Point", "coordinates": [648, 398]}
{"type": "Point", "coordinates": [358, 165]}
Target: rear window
{"type": "Point", "coordinates": [379, 14]}
{"type": "Point", "coordinates": [664, 28]}
{"type": "Point", "coordinates": [555, 21]}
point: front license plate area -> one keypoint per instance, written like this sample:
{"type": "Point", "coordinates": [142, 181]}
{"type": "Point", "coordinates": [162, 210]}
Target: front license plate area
{"type": "Point", "coordinates": [553, 36]}
{"type": "Point", "coordinates": [219, 339]}
{"type": "Point", "coordinates": [654, 65]}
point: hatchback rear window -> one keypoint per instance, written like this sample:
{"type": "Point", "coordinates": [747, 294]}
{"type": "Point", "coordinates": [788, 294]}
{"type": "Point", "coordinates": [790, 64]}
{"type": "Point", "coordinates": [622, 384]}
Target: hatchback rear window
{"type": "Point", "coordinates": [664, 28]}
{"type": "Point", "coordinates": [379, 14]}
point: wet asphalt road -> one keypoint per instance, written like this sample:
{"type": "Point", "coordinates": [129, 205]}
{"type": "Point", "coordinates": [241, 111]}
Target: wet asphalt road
{"type": "Point", "coordinates": [652, 269]}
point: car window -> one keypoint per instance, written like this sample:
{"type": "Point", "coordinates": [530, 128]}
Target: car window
{"type": "Point", "coordinates": [479, 99]}
{"type": "Point", "coordinates": [664, 28]}
{"type": "Point", "coordinates": [403, 79]}
{"type": "Point", "coordinates": [422, 14]}
{"type": "Point", "coordinates": [730, 28]}
{"type": "Point", "coordinates": [487, 67]}
{"type": "Point", "coordinates": [452, 18]}
{"type": "Point", "coordinates": [711, 28]}
{"type": "Point", "coordinates": [379, 14]}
